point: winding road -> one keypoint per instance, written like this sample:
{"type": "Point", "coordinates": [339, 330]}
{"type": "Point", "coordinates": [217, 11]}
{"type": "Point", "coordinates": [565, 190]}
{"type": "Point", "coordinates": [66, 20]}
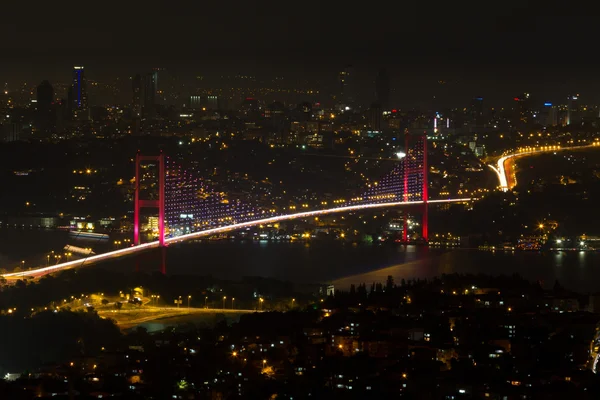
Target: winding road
{"type": "Point", "coordinates": [505, 170]}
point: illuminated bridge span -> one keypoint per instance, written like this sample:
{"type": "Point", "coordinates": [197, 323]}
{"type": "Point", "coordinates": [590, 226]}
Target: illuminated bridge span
{"type": "Point", "coordinates": [189, 208]}
{"type": "Point", "coordinates": [195, 235]}
{"type": "Point", "coordinates": [189, 204]}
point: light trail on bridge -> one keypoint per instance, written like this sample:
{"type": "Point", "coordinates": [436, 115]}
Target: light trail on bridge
{"type": "Point", "coordinates": [500, 169]}
{"type": "Point", "coordinates": [39, 272]}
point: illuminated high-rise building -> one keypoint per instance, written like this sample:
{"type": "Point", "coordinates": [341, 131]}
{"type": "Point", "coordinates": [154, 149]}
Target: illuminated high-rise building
{"type": "Point", "coordinates": [573, 114]}
{"type": "Point", "coordinates": [136, 103]}
{"type": "Point", "coordinates": [78, 94]}
{"type": "Point", "coordinates": [523, 114]}
{"type": "Point", "coordinates": [161, 82]}
{"type": "Point", "coordinates": [375, 116]}
{"type": "Point", "coordinates": [548, 115]}
{"type": "Point", "coordinates": [347, 82]}
{"type": "Point", "coordinates": [476, 113]}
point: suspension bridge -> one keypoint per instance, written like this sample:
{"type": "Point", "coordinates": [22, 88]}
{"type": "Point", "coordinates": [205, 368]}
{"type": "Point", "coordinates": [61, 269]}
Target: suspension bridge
{"type": "Point", "coordinates": [190, 208]}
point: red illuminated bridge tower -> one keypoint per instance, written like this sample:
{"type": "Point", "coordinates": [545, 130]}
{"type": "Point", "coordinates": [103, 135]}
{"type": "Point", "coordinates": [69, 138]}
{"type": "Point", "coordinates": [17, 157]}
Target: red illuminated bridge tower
{"type": "Point", "coordinates": [144, 203]}
{"type": "Point", "coordinates": [414, 171]}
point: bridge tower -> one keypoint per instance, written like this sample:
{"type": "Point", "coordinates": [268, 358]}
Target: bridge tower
{"type": "Point", "coordinates": [415, 165]}
{"type": "Point", "coordinates": [143, 203]}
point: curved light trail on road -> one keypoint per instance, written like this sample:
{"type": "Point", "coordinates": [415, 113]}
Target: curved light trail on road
{"type": "Point", "coordinates": [134, 249]}
{"type": "Point", "coordinates": [500, 170]}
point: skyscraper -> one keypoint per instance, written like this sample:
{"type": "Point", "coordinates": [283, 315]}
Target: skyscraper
{"type": "Point", "coordinates": [548, 115]}
{"type": "Point", "coordinates": [346, 82]}
{"type": "Point", "coordinates": [476, 111]}
{"type": "Point", "coordinates": [149, 95]}
{"type": "Point", "coordinates": [573, 114]}
{"type": "Point", "coordinates": [45, 113]}
{"type": "Point", "coordinates": [382, 89]}
{"type": "Point", "coordinates": [159, 85]}
{"type": "Point", "coordinates": [78, 94]}
{"type": "Point", "coordinates": [136, 101]}
{"type": "Point", "coordinates": [375, 115]}
{"type": "Point", "coordinates": [523, 114]}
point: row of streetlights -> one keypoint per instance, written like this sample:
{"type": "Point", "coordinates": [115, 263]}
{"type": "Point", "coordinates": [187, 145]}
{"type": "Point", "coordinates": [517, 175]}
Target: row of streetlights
{"type": "Point", "coordinates": [57, 257]}
{"type": "Point", "coordinates": [120, 242]}
{"type": "Point", "coordinates": [179, 301]}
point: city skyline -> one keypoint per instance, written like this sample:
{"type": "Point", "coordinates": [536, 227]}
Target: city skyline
{"type": "Point", "coordinates": [477, 52]}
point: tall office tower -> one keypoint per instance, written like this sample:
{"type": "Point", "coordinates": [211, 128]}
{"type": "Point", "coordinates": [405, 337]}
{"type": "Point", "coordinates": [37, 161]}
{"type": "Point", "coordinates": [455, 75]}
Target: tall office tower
{"type": "Point", "coordinates": [476, 117]}
{"type": "Point", "coordinates": [45, 117]}
{"type": "Point", "coordinates": [78, 94]}
{"type": "Point", "coordinates": [375, 116]}
{"type": "Point", "coordinates": [523, 114]}
{"type": "Point", "coordinates": [136, 102]}
{"type": "Point", "coordinates": [149, 95]}
{"type": "Point", "coordinates": [160, 84]}
{"type": "Point", "coordinates": [548, 115]}
{"type": "Point", "coordinates": [573, 114]}
{"type": "Point", "coordinates": [347, 86]}
{"type": "Point", "coordinates": [382, 89]}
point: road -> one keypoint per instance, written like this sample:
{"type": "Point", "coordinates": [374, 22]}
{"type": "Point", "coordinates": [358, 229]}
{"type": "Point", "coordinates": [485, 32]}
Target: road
{"type": "Point", "coordinates": [505, 168]}
{"type": "Point", "coordinates": [128, 318]}
{"type": "Point", "coordinates": [39, 272]}
{"type": "Point", "coordinates": [132, 314]}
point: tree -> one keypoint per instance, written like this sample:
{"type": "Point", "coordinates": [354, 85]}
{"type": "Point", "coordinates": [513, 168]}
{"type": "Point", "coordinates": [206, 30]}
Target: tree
{"type": "Point", "coordinates": [557, 286]}
{"type": "Point", "coordinates": [362, 290]}
{"type": "Point", "coordinates": [104, 302]}
{"type": "Point", "coordinates": [118, 305]}
{"type": "Point", "coordinates": [389, 284]}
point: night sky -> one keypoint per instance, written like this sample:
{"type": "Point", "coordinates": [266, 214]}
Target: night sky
{"type": "Point", "coordinates": [494, 49]}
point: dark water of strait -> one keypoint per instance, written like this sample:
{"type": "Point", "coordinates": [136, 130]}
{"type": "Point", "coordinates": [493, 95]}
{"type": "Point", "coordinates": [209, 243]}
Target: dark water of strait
{"type": "Point", "coordinates": [316, 262]}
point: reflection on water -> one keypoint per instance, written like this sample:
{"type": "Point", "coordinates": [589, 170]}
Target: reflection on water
{"type": "Point", "coordinates": [33, 245]}
{"type": "Point", "coordinates": [576, 270]}
{"type": "Point", "coordinates": [324, 262]}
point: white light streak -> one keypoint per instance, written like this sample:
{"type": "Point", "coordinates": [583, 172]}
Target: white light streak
{"type": "Point", "coordinates": [131, 250]}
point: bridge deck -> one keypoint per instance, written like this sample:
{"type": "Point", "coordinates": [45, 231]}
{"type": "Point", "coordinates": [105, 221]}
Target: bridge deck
{"type": "Point", "coordinates": [39, 272]}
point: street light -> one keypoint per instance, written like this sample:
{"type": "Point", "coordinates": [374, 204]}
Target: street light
{"type": "Point", "coordinates": [205, 300]}
{"type": "Point", "coordinates": [260, 302]}
{"type": "Point", "coordinates": [189, 298]}
{"type": "Point", "coordinates": [224, 298]}
{"type": "Point", "coordinates": [232, 300]}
